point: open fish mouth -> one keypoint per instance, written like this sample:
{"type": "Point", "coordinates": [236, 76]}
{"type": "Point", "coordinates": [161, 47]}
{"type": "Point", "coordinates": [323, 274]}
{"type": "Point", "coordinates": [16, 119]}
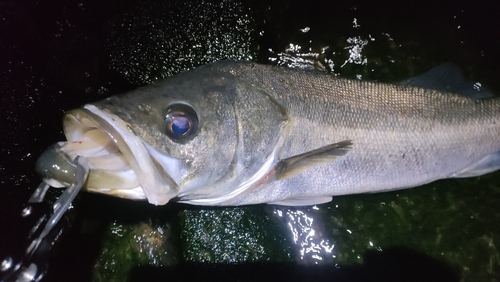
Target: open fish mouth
{"type": "Point", "coordinates": [121, 163]}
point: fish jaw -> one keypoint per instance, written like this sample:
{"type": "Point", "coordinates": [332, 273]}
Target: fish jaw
{"type": "Point", "coordinates": [121, 163]}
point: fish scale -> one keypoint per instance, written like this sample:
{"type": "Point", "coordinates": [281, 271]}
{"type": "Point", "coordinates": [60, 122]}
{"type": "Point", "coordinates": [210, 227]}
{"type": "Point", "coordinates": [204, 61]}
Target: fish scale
{"type": "Point", "coordinates": [403, 136]}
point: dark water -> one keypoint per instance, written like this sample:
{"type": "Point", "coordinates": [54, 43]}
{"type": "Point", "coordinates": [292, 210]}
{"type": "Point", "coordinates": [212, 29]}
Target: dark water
{"type": "Point", "coordinates": [55, 56]}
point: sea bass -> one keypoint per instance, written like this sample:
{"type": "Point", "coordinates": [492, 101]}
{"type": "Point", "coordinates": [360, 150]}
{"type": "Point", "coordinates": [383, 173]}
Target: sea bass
{"type": "Point", "coordinates": [239, 133]}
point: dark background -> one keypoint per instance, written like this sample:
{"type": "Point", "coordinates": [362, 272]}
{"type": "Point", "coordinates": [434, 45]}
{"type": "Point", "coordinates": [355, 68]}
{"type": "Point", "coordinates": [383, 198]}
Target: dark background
{"type": "Point", "coordinates": [58, 55]}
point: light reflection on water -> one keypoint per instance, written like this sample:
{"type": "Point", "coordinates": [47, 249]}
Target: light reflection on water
{"type": "Point", "coordinates": [356, 45]}
{"type": "Point", "coordinates": [304, 225]}
{"type": "Point", "coordinates": [321, 57]}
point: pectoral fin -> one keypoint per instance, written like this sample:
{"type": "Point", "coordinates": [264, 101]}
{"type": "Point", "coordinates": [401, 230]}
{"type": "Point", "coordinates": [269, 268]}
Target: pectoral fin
{"type": "Point", "coordinates": [294, 165]}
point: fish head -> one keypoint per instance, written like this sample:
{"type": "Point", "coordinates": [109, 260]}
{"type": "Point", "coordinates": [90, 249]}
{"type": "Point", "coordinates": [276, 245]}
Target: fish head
{"type": "Point", "coordinates": [179, 138]}
{"type": "Point", "coordinates": [152, 142]}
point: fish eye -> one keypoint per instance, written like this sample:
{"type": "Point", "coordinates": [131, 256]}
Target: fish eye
{"type": "Point", "coordinates": [181, 122]}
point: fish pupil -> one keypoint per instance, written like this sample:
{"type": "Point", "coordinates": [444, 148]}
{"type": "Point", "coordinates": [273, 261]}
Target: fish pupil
{"type": "Point", "coordinates": [180, 126]}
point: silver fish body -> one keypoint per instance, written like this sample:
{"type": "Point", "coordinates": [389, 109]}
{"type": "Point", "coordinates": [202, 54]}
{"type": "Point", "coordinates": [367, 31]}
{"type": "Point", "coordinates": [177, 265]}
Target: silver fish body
{"type": "Point", "coordinates": [264, 134]}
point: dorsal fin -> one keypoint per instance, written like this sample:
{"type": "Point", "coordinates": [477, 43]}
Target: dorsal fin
{"type": "Point", "coordinates": [448, 78]}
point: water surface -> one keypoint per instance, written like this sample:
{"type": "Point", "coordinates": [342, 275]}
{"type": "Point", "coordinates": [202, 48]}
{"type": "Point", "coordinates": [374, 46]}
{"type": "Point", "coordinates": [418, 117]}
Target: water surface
{"type": "Point", "coordinates": [68, 54]}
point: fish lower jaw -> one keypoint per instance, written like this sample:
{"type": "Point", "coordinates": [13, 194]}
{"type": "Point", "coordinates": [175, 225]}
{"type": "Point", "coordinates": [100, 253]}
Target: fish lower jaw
{"type": "Point", "coordinates": [120, 164]}
{"type": "Point", "coordinates": [119, 159]}
{"type": "Point", "coordinates": [131, 194]}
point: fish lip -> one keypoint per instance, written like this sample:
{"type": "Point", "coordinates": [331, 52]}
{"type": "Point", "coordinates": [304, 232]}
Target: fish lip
{"type": "Point", "coordinates": [158, 186]}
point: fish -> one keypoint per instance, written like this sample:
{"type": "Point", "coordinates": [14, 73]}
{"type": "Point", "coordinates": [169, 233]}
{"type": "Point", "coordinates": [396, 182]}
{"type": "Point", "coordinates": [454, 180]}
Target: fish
{"type": "Point", "coordinates": [236, 133]}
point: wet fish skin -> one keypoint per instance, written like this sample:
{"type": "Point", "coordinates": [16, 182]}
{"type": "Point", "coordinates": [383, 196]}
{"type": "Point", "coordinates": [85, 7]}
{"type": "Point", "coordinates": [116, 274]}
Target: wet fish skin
{"type": "Point", "coordinates": [252, 117]}
{"type": "Point", "coordinates": [402, 136]}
